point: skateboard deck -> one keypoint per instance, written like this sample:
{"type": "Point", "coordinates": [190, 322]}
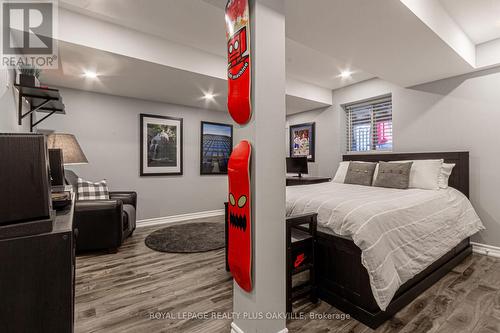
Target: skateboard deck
{"type": "Point", "coordinates": [238, 60]}
{"type": "Point", "coordinates": [240, 221]}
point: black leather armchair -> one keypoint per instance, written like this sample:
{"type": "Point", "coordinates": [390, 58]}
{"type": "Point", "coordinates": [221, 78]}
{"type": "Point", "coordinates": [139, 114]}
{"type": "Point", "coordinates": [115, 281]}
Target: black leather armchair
{"type": "Point", "coordinates": [103, 224]}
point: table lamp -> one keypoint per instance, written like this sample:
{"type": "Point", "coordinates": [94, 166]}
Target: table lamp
{"type": "Point", "coordinates": [71, 150]}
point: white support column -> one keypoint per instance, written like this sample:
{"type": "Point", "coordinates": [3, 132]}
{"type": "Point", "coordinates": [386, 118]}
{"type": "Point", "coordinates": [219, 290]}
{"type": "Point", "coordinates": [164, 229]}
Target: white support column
{"type": "Point", "coordinates": [266, 132]}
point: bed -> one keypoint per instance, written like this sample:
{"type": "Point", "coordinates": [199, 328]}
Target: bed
{"type": "Point", "coordinates": [342, 279]}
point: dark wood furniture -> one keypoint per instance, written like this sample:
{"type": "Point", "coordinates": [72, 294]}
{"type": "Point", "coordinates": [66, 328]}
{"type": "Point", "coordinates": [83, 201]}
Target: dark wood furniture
{"type": "Point", "coordinates": [459, 178]}
{"type": "Point", "coordinates": [292, 181]}
{"type": "Point", "coordinates": [343, 281]}
{"type": "Point", "coordinates": [37, 280]}
{"type": "Point", "coordinates": [300, 247]}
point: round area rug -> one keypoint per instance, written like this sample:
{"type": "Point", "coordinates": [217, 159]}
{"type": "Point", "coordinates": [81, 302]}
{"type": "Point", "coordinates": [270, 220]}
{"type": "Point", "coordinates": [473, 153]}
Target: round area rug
{"type": "Point", "coordinates": [187, 238]}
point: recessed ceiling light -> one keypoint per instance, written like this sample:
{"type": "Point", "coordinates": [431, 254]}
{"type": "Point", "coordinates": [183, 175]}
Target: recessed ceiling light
{"type": "Point", "coordinates": [90, 74]}
{"type": "Point", "coordinates": [345, 74]}
{"type": "Point", "coordinates": [208, 96]}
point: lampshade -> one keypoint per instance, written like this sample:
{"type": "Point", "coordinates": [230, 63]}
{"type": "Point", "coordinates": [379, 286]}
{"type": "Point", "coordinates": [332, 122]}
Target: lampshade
{"type": "Point", "coordinates": [72, 152]}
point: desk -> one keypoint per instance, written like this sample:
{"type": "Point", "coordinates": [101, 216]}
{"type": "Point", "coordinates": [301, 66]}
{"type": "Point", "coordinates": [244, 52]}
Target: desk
{"type": "Point", "coordinates": [292, 181]}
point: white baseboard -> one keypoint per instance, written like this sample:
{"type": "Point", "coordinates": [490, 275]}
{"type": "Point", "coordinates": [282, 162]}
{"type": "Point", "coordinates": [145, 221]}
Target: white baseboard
{"type": "Point", "coordinates": [179, 218]}
{"type": "Point", "coordinates": [236, 329]}
{"type": "Point", "coordinates": [488, 250]}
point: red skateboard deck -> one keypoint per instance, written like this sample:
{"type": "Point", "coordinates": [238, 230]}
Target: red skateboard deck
{"type": "Point", "coordinates": [240, 221]}
{"type": "Point", "coordinates": [238, 60]}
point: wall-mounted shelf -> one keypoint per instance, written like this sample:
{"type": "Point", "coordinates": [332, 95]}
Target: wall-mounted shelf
{"type": "Point", "coordinates": [47, 100]}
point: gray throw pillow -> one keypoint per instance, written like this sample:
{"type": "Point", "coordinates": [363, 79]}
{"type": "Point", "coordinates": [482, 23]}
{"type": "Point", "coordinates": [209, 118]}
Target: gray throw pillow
{"type": "Point", "coordinates": [393, 175]}
{"type": "Point", "coordinates": [360, 173]}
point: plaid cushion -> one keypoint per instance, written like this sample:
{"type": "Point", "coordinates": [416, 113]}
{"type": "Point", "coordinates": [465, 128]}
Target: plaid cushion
{"type": "Point", "coordinates": [92, 191]}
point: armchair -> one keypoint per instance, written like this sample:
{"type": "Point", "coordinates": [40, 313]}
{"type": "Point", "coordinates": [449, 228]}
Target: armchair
{"type": "Point", "coordinates": [103, 224]}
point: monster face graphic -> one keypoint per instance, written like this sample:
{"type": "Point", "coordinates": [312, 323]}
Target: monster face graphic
{"type": "Point", "coordinates": [240, 222]}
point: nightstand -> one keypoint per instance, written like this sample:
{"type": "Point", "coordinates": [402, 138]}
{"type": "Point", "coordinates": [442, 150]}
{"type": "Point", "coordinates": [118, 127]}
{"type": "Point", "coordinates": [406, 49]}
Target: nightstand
{"type": "Point", "coordinates": [292, 181]}
{"type": "Point", "coordinates": [300, 244]}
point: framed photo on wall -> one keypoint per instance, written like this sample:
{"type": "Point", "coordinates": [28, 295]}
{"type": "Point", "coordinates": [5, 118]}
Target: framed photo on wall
{"type": "Point", "coordinates": [302, 140]}
{"type": "Point", "coordinates": [216, 145]}
{"type": "Point", "coordinates": [161, 145]}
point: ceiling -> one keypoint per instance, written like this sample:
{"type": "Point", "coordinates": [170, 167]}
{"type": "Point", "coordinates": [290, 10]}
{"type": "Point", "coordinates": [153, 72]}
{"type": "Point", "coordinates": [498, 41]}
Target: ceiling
{"type": "Point", "coordinates": [295, 104]}
{"type": "Point", "coordinates": [479, 19]}
{"type": "Point", "coordinates": [309, 65]}
{"type": "Point", "coordinates": [130, 77]}
{"type": "Point", "coordinates": [190, 22]}
{"type": "Point", "coordinates": [383, 37]}
{"type": "Point", "coordinates": [125, 76]}
{"type": "Point", "coordinates": [200, 24]}
{"type": "Point", "coordinates": [376, 38]}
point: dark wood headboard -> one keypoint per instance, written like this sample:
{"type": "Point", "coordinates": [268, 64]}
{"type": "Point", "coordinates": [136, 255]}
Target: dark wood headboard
{"type": "Point", "coordinates": [459, 178]}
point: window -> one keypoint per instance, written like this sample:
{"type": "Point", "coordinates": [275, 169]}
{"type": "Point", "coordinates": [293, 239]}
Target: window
{"type": "Point", "coordinates": [369, 124]}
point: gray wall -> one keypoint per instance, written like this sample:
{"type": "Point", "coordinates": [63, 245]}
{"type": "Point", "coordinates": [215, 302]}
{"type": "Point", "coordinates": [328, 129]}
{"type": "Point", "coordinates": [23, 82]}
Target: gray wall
{"type": "Point", "coordinates": [327, 148]}
{"type": "Point", "coordinates": [460, 113]}
{"type": "Point", "coordinates": [107, 128]}
{"type": "Point", "coordinates": [8, 105]}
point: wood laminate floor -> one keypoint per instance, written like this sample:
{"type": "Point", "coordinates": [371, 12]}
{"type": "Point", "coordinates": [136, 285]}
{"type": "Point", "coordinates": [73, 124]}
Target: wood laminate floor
{"type": "Point", "coordinates": [141, 290]}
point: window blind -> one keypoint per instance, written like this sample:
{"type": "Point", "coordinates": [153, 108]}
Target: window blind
{"type": "Point", "coordinates": [369, 124]}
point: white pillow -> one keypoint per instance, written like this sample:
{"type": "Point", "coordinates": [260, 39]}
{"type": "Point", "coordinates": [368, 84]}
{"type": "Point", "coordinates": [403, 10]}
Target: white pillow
{"type": "Point", "coordinates": [444, 175]}
{"type": "Point", "coordinates": [424, 174]}
{"type": "Point", "coordinates": [341, 172]}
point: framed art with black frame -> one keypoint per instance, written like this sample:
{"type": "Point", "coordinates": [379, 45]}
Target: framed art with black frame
{"type": "Point", "coordinates": [161, 145]}
{"type": "Point", "coordinates": [216, 145]}
{"type": "Point", "coordinates": [302, 140]}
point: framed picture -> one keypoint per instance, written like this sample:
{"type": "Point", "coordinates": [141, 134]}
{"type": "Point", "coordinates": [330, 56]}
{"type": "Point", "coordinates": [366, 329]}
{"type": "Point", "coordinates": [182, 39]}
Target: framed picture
{"type": "Point", "coordinates": [302, 140]}
{"type": "Point", "coordinates": [215, 148]}
{"type": "Point", "coordinates": [161, 145]}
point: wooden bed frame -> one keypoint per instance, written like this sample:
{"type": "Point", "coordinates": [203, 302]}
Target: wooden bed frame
{"type": "Point", "coordinates": [343, 281]}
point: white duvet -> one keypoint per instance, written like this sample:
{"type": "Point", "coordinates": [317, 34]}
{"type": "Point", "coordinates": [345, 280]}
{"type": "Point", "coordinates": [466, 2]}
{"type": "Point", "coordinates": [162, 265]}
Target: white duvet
{"type": "Point", "coordinates": [400, 232]}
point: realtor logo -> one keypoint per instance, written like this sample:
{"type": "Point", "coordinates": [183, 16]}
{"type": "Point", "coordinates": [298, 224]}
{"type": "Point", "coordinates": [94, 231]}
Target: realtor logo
{"type": "Point", "coordinates": [28, 34]}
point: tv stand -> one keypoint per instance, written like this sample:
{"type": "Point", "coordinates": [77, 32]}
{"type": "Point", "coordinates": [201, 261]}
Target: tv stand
{"type": "Point", "coordinates": [28, 228]}
{"type": "Point", "coordinates": [37, 284]}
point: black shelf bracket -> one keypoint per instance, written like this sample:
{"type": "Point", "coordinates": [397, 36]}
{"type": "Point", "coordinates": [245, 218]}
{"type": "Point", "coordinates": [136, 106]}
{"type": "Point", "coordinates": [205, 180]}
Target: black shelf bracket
{"type": "Point", "coordinates": [32, 109]}
{"type": "Point", "coordinates": [40, 99]}
{"type": "Point", "coordinates": [39, 121]}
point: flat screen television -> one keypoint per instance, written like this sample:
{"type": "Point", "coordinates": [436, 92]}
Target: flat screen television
{"type": "Point", "coordinates": [296, 165]}
{"type": "Point", "coordinates": [24, 178]}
